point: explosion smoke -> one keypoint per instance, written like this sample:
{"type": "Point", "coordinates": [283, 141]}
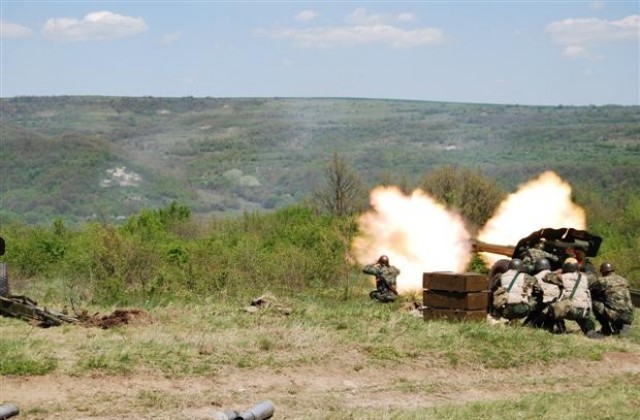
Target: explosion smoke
{"type": "Point", "coordinates": [420, 235]}
{"type": "Point", "coordinates": [542, 202]}
{"type": "Point", "coordinates": [415, 232]}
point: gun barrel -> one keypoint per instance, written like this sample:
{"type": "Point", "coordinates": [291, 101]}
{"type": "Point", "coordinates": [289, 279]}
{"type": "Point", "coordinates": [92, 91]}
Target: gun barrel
{"type": "Point", "coordinates": [261, 411]}
{"type": "Point", "coordinates": [506, 250]}
{"type": "Point", "coordinates": [8, 410]}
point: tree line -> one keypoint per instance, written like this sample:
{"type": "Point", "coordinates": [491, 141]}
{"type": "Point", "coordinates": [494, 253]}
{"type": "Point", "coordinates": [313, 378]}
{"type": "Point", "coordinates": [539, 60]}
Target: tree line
{"type": "Point", "coordinates": [167, 254]}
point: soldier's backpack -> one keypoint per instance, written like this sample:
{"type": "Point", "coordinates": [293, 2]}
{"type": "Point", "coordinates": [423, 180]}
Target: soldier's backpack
{"type": "Point", "coordinates": [501, 295]}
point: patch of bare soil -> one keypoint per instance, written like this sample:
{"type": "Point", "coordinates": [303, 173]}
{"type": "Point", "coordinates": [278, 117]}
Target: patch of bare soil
{"type": "Point", "coordinates": [117, 317]}
{"type": "Point", "coordinates": [308, 392]}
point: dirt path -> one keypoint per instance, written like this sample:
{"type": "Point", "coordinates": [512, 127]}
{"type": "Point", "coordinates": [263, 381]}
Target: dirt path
{"type": "Point", "coordinates": [297, 393]}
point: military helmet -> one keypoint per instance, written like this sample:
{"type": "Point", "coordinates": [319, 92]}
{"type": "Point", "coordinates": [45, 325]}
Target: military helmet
{"type": "Point", "coordinates": [606, 268]}
{"type": "Point", "coordinates": [516, 264]}
{"type": "Point", "coordinates": [384, 260]}
{"type": "Point", "coordinates": [541, 264]}
{"type": "Point", "coordinates": [570, 265]}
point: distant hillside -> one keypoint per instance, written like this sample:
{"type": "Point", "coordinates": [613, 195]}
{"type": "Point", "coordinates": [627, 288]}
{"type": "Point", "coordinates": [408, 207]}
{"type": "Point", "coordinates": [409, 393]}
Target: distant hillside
{"type": "Point", "coordinates": [102, 158]}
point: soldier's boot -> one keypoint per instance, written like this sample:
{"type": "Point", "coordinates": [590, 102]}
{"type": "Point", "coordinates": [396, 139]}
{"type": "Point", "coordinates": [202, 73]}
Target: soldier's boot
{"type": "Point", "coordinates": [606, 327]}
{"type": "Point", "coordinates": [548, 324]}
{"type": "Point", "coordinates": [550, 321]}
{"type": "Point", "coordinates": [535, 316]}
{"type": "Point", "coordinates": [606, 330]}
{"type": "Point", "coordinates": [387, 297]}
{"type": "Point", "coordinates": [594, 335]}
{"type": "Point", "coordinates": [561, 327]}
{"type": "Point", "coordinates": [598, 312]}
{"type": "Point", "coordinates": [625, 330]}
{"type": "Point", "coordinates": [374, 294]}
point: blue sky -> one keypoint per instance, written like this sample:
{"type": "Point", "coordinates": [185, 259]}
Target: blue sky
{"type": "Point", "coordinates": [515, 52]}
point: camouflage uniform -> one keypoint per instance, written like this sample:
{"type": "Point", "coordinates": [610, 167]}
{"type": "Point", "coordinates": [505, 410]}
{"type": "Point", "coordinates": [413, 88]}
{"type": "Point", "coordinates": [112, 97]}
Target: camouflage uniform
{"type": "Point", "coordinates": [575, 300]}
{"type": "Point", "coordinates": [550, 294]}
{"type": "Point", "coordinates": [550, 291]}
{"type": "Point", "coordinates": [383, 273]}
{"type": "Point", "coordinates": [512, 297]}
{"type": "Point", "coordinates": [531, 255]}
{"type": "Point", "coordinates": [612, 304]}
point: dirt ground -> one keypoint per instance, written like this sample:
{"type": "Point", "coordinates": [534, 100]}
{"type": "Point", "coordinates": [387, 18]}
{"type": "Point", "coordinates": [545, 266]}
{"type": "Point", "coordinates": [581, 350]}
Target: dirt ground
{"type": "Point", "coordinates": [309, 392]}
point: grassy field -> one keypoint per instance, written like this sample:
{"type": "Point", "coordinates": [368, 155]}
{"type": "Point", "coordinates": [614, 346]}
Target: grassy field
{"type": "Point", "coordinates": [314, 357]}
{"type": "Point", "coordinates": [322, 349]}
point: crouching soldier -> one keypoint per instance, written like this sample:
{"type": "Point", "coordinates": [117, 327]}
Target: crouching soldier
{"type": "Point", "coordinates": [536, 252]}
{"type": "Point", "coordinates": [612, 304]}
{"type": "Point", "coordinates": [385, 279]}
{"type": "Point", "coordinates": [575, 300]}
{"type": "Point", "coordinates": [550, 294]}
{"type": "Point", "coordinates": [513, 293]}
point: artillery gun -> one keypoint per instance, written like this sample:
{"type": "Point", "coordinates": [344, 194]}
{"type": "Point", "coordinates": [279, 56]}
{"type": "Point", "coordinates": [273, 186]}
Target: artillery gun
{"type": "Point", "coordinates": [22, 307]}
{"type": "Point", "coordinates": [562, 243]}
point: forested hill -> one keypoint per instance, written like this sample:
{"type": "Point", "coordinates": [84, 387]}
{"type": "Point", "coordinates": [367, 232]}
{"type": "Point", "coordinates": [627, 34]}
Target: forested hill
{"type": "Point", "coordinates": [104, 158]}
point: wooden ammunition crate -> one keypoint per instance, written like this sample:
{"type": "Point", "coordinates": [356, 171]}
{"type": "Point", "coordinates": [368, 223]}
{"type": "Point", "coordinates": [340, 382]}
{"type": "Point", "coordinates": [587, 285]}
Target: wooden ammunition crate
{"type": "Point", "coordinates": [455, 296]}
{"type": "Point", "coordinates": [454, 314]}
{"type": "Point", "coordinates": [455, 300]}
{"type": "Point", "coordinates": [455, 282]}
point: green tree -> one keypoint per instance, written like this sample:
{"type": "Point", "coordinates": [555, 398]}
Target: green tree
{"type": "Point", "coordinates": [470, 192]}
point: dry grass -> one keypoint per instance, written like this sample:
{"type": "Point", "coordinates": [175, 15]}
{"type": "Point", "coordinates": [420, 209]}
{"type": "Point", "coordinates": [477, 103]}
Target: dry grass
{"type": "Point", "coordinates": [324, 359]}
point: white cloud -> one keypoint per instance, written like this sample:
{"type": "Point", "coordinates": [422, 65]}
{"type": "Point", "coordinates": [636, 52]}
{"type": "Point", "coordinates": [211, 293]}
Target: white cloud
{"type": "Point", "coordinates": [578, 51]}
{"type": "Point", "coordinates": [578, 36]}
{"type": "Point", "coordinates": [362, 16]}
{"type": "Point", "coordinates": [364, 28]}
{"type": "Point", "coordinates": [354, 35]}
{"type": "Point", "coordinates": [306, 16]}
{"type": "Point", "coordinates": [171, 37]}
{"type": "Point", "coordinates": [406, 17]}
{"type": "Point", "coordinates": [103, 25]}
{"type": "Point", "coordinates": [13, 30]}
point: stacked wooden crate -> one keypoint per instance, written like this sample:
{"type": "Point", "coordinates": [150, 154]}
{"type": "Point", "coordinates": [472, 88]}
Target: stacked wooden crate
{"type": "Point", "coordinates": [459, 296]}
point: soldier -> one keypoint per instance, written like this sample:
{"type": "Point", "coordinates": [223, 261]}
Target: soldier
{"type": "Point", "coordinates": [550, 294]}
{"type": "Point", "coordinates": [584, 263]}
{"type": "Point", "coordinates": [612, 304]}
{"type": "Point", "coordinates": [512, 294]}
{"type": "Point", "coordinates": [536, 252]}
{"type": "Point", "coordinates": [575, 300]}
{"type": "Point", "coordinates": [385, 279]}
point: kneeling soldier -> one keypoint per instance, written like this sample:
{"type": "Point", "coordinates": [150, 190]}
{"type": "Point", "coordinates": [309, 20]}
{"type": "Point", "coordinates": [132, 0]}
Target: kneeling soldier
{"type": "Point", "coordinates": [575, 301]}
{"type": "Point", "coordinates": [612, 304]}
{"type": "Point", "coordinates": [512, 295]}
